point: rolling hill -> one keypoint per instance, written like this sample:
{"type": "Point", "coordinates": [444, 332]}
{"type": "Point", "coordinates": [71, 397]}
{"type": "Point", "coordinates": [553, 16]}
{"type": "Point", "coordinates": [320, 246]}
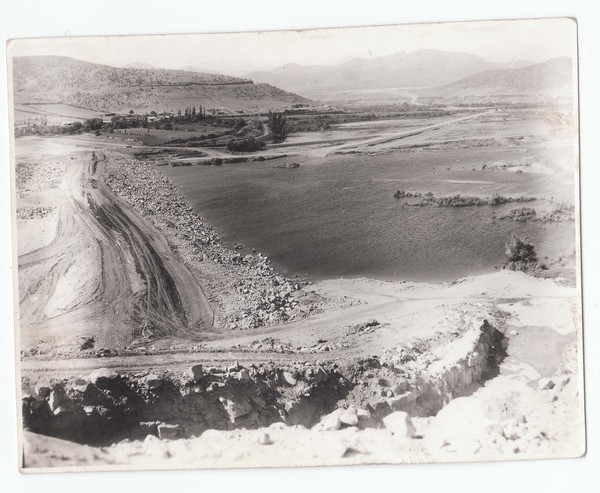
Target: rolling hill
{"type": "Point", "coordinates": [419, 68]}
{"type": "Point", "coordinates": [102, 88]}
{"type": "Point", "coordinates": [551, 78]}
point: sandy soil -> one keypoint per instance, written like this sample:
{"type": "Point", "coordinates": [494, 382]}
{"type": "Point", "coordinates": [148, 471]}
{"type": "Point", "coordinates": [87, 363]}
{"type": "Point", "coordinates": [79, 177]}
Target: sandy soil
{"type": "Point", "coordinates": [106, 274]}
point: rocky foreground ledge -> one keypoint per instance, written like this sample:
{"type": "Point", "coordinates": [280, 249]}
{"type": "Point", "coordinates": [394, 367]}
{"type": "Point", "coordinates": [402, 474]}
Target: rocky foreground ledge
{"type": "Point", "coordinates": [509, 388]}
{"type": "Point", "coordinates": [398, 393]}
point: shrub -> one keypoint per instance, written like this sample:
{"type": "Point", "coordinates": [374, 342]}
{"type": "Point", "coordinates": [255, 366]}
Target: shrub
{"type": "Point", "coordinates": [520, 250]}
{"type": "Point", "coordinates": [239, 124]}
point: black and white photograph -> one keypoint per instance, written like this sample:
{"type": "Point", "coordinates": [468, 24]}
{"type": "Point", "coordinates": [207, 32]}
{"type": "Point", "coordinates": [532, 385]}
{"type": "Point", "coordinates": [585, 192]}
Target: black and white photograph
{"type": "Point", "coordinates": [318, 247]}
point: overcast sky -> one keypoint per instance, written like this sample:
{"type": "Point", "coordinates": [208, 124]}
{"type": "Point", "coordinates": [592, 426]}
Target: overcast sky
{"type": "Point", "coordinates": [501, 41]}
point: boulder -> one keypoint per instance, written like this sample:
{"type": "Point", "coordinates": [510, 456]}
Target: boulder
{"type": "Point", "coordinates": [401, 386]}
{"type": "Point", "coordinates": [400, 424]}
{"type": "Point", "coordinates": [473, 359]}
{"type": "Point", "coordinates": [197, 372]}
{"type": "Point", "coordinates": [103, 377]}
{"type": "Point", "coordinates": [235, 409]}
{"type": "Point", "coordinates": [289, 378]}
{"type": "Point", "coordinates": [43, 391]}
{"type": "Point", "coordinates": [330, 422]}
{"type": "Point", "coordinates": [55, 399]}
{"type": "Point", "coordinates": [402, 401]}
{"type": "Point", "coordinates": [315, 376]}
{"type": "Point", "coordinates": [349, 416]}
{"type": "Point", "coordinates": [154, 382]}
{"type": "Point", "coordinates": [243, 375]}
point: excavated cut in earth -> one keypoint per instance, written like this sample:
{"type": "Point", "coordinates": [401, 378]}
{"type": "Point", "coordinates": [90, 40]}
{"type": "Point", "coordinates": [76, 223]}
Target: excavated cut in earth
{"type": "Point", "coordinates": [107, 406]}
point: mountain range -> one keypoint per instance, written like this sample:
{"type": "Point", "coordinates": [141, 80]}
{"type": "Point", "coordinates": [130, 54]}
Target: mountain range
{"type": "Point", "coordinates": [141, 87]}
{"type": "Point", "coordinates": [417, 69]}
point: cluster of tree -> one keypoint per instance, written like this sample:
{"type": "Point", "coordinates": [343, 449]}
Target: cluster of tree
{"type": "Point", "coordinates": [246, 145]}
{"type": "Point", "coordinates": [191, 115]}
{"type": "Point", "coordinates": [76, 127]}
{"type": "Point", "coordinates": [239, 124]}
{"type": "Point", "coordinates": [277, 126]}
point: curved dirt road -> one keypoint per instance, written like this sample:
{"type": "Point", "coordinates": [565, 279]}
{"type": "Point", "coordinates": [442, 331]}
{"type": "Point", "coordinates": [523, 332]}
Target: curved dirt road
{"type": "Point", "coordinates": [108, 273]}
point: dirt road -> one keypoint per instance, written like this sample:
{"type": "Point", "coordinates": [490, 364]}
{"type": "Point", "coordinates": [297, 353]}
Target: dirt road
{"type": "Point", "coordinates": [108, 273]}
{"type": "Point", "coordinates": [372, 141]}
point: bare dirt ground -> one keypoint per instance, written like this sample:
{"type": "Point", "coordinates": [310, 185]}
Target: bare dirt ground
{"type": "Point", "coordinates": [107, 273]}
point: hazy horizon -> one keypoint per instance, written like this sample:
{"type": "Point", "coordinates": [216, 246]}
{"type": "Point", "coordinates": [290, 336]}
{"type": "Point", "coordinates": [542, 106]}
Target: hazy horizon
{"type": "Point", "coordinates": [236, 53]}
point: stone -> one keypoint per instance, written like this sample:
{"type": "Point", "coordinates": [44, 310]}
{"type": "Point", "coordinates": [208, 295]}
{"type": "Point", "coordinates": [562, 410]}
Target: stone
{"type": "Point", "coordinates": [289, 378]}
{"type": "Point", "coordinates": [197, 372]}
{"type": "Point", "coordinates": [243, 375]}
{"type": "Point", "coordinates": [363, 414]}
{"type": "Point", "coordinates": [400, 424]}
{"type": "Point", "coordinates": [472, 359]}
{"type": "Point", "coordinates": [265, 439]}
{"type": "Point", "coordinates": [43, 391]}
{"type": "Point", "coordinates": [89, 410]}
{"type": "Point", "coordinates": [168, 431]}
{"type": "Point", "coordinates": [235, 409]}
{"type": "Point", "coordinates": [154, 382]}
{"type": "Point", "coordinates": [545, 384]}
{"type": "Point", "coordinates": [54, 400]}
{"type": "Point", "coordinates": [401, 386]}
{"type": "Point", "coordinates": [513, 332]}
{"type": "Point", "coordinates": [102, 377]}
{"type": "Point", "coordinates": [349, 417]}
{"type": "Point", "coordinates": [315, 375]}
{"type": "Point", "coordinates": [330, 422]}
{"type": "Point", "coordinates": [402, 401]}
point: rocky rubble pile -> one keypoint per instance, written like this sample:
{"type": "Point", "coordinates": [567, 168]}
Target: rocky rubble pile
{"type": "Point", "coordinates": [107, 406]}
{"type": "Point", "coordinates": [423, 375]}
{"type": "Point", "coordinates": [34, 177]}
{"type": "Point", "coordinates": [33, 212]}
{"type": "Point", "coordinates": [262, 296]}
{"type": "Point", "coordinates": [372, 392]}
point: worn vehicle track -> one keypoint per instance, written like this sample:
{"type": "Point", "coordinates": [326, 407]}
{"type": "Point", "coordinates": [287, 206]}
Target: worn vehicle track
{"type": "Point", "coordinates": [140, 284]}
